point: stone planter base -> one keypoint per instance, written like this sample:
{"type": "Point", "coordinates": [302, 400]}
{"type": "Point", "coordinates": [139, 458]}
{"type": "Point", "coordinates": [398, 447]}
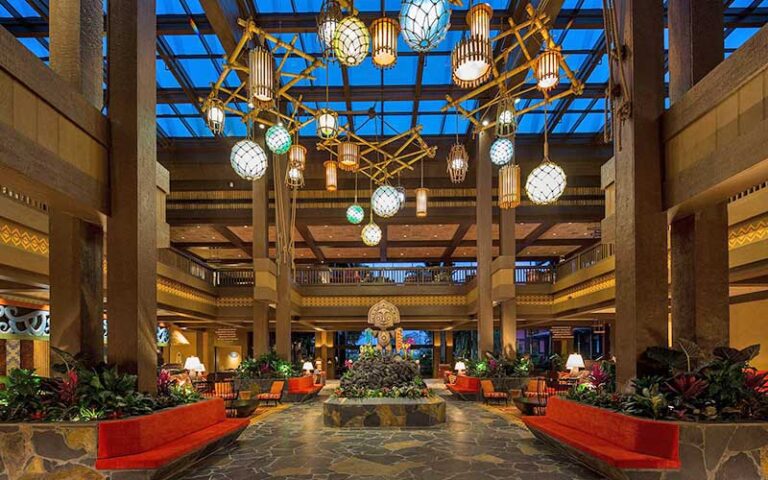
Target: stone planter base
{"type": "Point", "coordinates": [384, 412]}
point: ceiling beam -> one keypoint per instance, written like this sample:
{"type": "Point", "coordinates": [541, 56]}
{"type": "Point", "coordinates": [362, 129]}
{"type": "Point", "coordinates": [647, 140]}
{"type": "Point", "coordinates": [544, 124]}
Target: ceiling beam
{"type": "Point", "coordinates": [309, 241]}
{"type": "Point", "coordinates": [233, 239]}
{"type": "Point", "coordinates": [533, 236]}
{"type": "Point", "coordinates": [457, 239]}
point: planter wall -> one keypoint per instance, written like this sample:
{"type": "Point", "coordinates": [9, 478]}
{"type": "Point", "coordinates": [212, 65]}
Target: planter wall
{"type": "Point", "coordinates": [383, 412]}
{"type": "Point", "coordinates": [505, 384]}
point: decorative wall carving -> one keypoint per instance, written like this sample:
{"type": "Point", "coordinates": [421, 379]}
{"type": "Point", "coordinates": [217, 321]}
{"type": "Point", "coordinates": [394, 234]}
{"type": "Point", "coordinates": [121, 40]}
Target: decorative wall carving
{"type": "Point", "coordinates": [36, 323]}
{"type": "Point", "coordinates": [23, 238]}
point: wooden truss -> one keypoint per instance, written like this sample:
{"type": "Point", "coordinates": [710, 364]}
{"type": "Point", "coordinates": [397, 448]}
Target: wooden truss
{"type": "Point", "coordinates": [536, 27]}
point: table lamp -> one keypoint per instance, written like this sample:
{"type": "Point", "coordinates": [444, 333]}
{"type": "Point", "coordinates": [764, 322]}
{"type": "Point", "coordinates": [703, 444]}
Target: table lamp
{"type": "Point", "coordinates": [574, 363]}
{"type": "Point", "coordinates": [460, 367]}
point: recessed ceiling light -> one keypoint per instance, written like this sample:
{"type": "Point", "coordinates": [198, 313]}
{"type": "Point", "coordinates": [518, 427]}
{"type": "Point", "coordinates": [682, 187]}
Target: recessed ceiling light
{"type": "Point", "coordinates": [485, 123]}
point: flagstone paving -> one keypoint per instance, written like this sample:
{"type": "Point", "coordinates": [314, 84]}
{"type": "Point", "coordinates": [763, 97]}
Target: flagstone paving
{"type": "Point", "coordinates": [475, 443]}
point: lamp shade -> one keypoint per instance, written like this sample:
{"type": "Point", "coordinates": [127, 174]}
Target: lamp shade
{"type": "Point", "coordinates": [355, 214]}
{"type": "Point", "coordinates": [385, 201]}
{"type": "Point", "coordinates": [308, 366]}
{"type": "Point", "coordinates": [548, 69]}
{"type": "Point", "coordinates": [261, 74]}
{"type": "Point", "coordinates": [457, 163]}
{"type": "Point", "coordinates": [351, 41]}
{"type": "Point", "coordinates": [509, 186]}
{"type": "Point", "coordinates": [371, 234]}
{"type": "Point", "coordinates": [349, 156]}
{"type": "Point", "coordinates": [424, 23]}
{"type": "Point", "coordinates": [214, 115]}
{"type": "Point", "coordinates": [546, 183]}
{"type": "Point", "coordinates": [278, 139]}
{"type": "Point", "coordinates": [327, 123]}
{"type": "Point", "coordinates": [331, 177]}
{"type": "Point", "coordinates": [575, 360]}
{"type": "Point", "coordinates": [384, 38]}
{"type": "Point", "coordinates": [471, 61]}
{"type": "Point", "coordinates": [192, 363]}
{"type": "Point", "coordinates": [248, 159]}
{"type": "Point", "coordinates": [202, 368]}
{"type": "Point", "coordinates": [502, 151]}
{"type": "Point", "coordinates": [421, 202]}
{"type": "Point", "coordinates": [459, 366]}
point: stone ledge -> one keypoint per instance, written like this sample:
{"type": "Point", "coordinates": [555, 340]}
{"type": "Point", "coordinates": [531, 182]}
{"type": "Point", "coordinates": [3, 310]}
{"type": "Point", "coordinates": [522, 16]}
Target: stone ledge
{"type": "Point", "coordinates": [383, 412]}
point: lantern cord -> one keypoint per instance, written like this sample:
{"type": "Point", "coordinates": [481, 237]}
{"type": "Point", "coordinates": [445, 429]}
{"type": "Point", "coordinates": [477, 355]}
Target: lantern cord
{"type": "Point", "coordinates": [356, 187]}
{"type": "Point", "coordinates": [546, 127]}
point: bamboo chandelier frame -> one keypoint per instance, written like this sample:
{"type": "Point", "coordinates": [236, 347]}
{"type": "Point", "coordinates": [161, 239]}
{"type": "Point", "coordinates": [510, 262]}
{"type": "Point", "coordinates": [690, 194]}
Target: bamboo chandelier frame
{"type": "Point", "coordinates": [537, 25]}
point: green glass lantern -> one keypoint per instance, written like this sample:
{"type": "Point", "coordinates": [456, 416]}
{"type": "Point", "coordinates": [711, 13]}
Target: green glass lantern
{"type": "Point", "coordinates": [278, 139]}
{"type": "Point", "coordinates": [355, 214]}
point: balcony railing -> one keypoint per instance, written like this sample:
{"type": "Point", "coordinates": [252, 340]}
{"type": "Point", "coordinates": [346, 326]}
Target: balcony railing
{"type": "Point", "coordinates": [318, 275]}
{"type": "Point", "coordinates": [532, 274]}
{"type": "Point", "coordinates": [171, 258]}
{"type": "Point", "coordinates": [587, 258]}
{"type": "Point", "coordinates": [233, 278]}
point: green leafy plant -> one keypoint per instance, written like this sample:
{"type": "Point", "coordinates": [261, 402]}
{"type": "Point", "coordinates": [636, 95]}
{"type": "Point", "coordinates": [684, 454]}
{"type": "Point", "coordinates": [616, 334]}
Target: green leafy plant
{"type": "Point", "coordinates": [269, 365]}
{"type": "Point", "coordinates": [648, 402]}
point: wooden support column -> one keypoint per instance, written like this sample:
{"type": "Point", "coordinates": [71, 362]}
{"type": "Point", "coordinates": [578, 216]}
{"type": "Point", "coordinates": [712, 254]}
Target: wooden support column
{"type": "Point", "coordinates": [76, 246]}
{"type": "Point", "coordinates": [132, 225]}
{"type": "Point", "coordinates": [509, 307]}
{"type": "Point", "coordinates": [260, 250]}
{"type": "Point", "coordinates": [699, 242]}
{"type": "Point", "coordinates": [484, 216]}
{"type": "Point", "coordinates": [283, 312]}
{"type": "Point", "coordinates": [641, 224]}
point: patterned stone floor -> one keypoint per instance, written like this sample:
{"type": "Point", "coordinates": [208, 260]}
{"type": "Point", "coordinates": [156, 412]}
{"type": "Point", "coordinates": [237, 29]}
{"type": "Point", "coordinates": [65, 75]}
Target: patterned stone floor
{"type": "Point", "coordinates": [476, 443]}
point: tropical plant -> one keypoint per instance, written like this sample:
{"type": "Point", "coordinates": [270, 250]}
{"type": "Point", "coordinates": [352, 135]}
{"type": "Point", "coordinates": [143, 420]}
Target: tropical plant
{"type": "Point", "coordinates": [648, 402]}
{"type": "Point", "coordinates": [268, 365]}
{"type": "Point", "coordinates": [23, 398]}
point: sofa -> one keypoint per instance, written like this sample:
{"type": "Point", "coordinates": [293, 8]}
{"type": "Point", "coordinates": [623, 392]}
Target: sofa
{"type": "Point", "coordinates": [465, 388]}
{"type": "Point", "coordinates": [301, 389]}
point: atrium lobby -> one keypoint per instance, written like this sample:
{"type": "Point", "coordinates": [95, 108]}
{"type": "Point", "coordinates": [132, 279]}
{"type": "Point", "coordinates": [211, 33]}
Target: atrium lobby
{"type": "Point", "coordinates": [384, 239]}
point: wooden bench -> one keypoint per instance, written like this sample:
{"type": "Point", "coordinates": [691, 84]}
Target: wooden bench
{"type": "Point", "coordinates": [303, 388]}
{"type": "Point", "coordinates": [166, 442]}
{"type": "Point", "coordinates": [615, 445]}
{"type": "Point", "coordinates": [465, 388]}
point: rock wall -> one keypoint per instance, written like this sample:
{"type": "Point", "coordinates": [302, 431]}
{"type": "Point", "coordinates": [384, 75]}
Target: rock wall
{"type": "Point", "coordinates": [723, 451]}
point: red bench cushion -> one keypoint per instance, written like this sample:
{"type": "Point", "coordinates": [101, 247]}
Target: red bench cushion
{"type": "Point", "coordinates": [135, 435]}
{"type": "Point", "coordinates": [465, 384]}
{"type": "Point", "coordinates": [161, 455]}
{"type": "Point", "coordinates": [303, 385]}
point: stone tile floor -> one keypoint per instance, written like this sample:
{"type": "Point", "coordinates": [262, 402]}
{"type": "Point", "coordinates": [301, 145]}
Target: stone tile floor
{"type": "Point", "coordinates": [476, 443]}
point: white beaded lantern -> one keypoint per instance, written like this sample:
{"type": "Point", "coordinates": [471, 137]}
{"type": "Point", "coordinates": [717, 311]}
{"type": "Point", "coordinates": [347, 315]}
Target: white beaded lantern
{"type": "Point", "coordinates": [502, 151]}
{"type": "Point", "coordinates": [351, 41]}
{"type": "Point", "coordinates": [546, 183]}
{"type": "Point", "coordinates": [385, 201]}
{"type": "Point", "coordinates": [371, 234]}
{"type": "Point", "coordinates": [248, 160]}
{"type": "Point", "coordinates": [278, 139]}
{"type": "Point", "coordinates": [424, 23]}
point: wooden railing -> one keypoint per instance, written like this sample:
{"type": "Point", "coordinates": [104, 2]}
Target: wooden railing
{"type": "Point", "coordinates": [530, 274]}
{"type": "Point", "coordinates": [233, 278]}
{"type": "Point", "coordinates": [585, 259]}
{"type": "Point", "coordinates": [319, 275]}
{"type": "Point", "coordinates": [172, 258]}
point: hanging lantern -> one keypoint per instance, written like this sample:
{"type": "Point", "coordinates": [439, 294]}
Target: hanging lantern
{"type": "Point", "coordinates": [458, 163]}
{"type": "Point", "coordinates": [548, 69]}
{"type": "Point", "coordinates": [471, 62]}
{"type": "Point", "coordinates": [546, 183]}
{"type": "Point", "coordinates": [261, 74]}
{"type": "Point", "coordinates": [351, 41]}
{"type": "Point", "coordinates": [214, 115]}
{"type": "Point", "coordinates": [424, 23]}
{"type": "Point", "coordinates": [327, 22]}
{"type": "Point", "coordinates": [330, 175]}
{"type": "Point", "coordinates": [506, 119]}
{"type": "Point", "coordinates": [349, 156]}
{"type": "Point", "coordinates": [355, 214]}
{"type": "Point", "coordinates": [385, 201]}
{"type": "Point", "coordinates": [294, 177]}
{"type": "Point", "coordinates": [248, 159]}
{"type": "Point", "coordinates": [384, 39]}
{"type": "Point", "coordinates": [479, 20]}
{"type": "Point", "coordinates": [421, 201]}
{"type": "Point", "coordinates": [371, 234]}
{"type": "Point", "coordinates": [400, 196]}
{"type": "Point", "coordinates": [278, 139]}
{"type": "Point", "coordinates": [327, 123]}
{"type": "Point", "coordinates": [502, 151]}
{"type": "Point", "coordinates": [509, 186]}
{"type": "Point", "coordinates": [297, 156]}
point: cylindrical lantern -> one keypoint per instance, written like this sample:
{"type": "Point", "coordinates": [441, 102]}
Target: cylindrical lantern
{"type": "Point", "coordinates": [424, 23]}
{"type": "Point", "coordinates": [385, 201]}
{"type": "Point", "coordinates": [479, 20]}
{"type": "Point", "coordinates": [349, 156]}
{"type": "Point", "coordinates": [546, 183]}
{"type": "Point", "coordinates": [371, 234]}
{"type": "Point", "coordinates": [506, 119]}
{"type": "Point", "coordinates": [502, 151]}
{"type": "Point", "coordinates": [421, 201]}
{"type": "Point", "coordinates": [278, 139]}
{"type": "Point", "coordinates": [330, 175]}
{"type": "Point", "coordinates": [351, 41]}
{"type": "Point", "coordinates": [471, 61]}
{"type": "Point", "coordinates": [261, 75]}
{"type": "Point", "coordinates": [297, 156]}
{"type": "Point", "coordinates": [384, 38]}
{"type": "Point", "coordinates": [548, 69]}
{"type": "Point", "coordinates": [458, 163]}
{"type": "Point", "coordinates": [327, 22]}
{"type": "Point", "coordinates": [248, 159]}
{"type": "Point", "coordinates": [355, 214]}
{"type": "Point", "coordinates": [509, 186]}
{"type": "Point", "coordinates": [214, 115]}
{"type": "Point", "coordinates": [327, 123]}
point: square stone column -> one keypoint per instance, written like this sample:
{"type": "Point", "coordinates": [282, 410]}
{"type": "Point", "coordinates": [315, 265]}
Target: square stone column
{"type": "Point", "coordinates": [484, 218]}
{"type": "Point", "coordinates": [260, 209]}
{"type": "Point", "coordinates": [508, 307]}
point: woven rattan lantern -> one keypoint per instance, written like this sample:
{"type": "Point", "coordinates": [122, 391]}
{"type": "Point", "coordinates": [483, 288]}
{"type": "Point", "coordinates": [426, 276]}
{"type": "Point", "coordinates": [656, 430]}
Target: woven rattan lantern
{"type": "Point", "coordinates": [351, 41]}
{"type": "Point", "coordinates": [331, 177]}
{"type": "Point", "coordinates": [371, 234]}
{"type": "Point", "coordinates": [458, 163]}
{"type": "Point", "coordinates": [327, 123]}
{"type": "Point", "coordinates": [294, 177]}
{"type": "Point", "coordinates": [355, 214]}
{"type": "Point", "coordinates": [349, 156]}
{"type": "Point", "coordinates": [278, 139]}
{"type": "Point", "coordinates": [248, 159]}
{"type": "Point", "coordinates": [385, 201]}
{"type": "Point", "coordinates": [384, 39]}
{"type": "Point", "coordinates": [421, 201]}
{"type": "Point", "coordinates": [327, 22]}
{"type": "Point", "coordinates": [297, 155]}
{"type": "Point", "coordinates": [546, 183]}
{"type": "Point", "coordinates": [479, 20]}
{"type": "Point", "coordinates": [214, 115]}
{"type": "Point", "coordinates": [502, 151]}
{"type": "Point", "coordinates": [509, 186]}
{"type": "Point", "coordinates": [424, 23]}
{"type": "Point", "coordinates": [506, 118]}
{"type": "Point", "coordinates": [548, 69]}
{"type": "Point", "coordinates": [261, 74]}
{"type": "Point", "coordinates": [472, 58]}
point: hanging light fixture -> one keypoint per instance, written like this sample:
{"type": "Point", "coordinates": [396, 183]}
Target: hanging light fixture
{"type": "Point", "coordinates": [351, 41]}
{"type": "Point", "coordinates": [214, 115]}
{"type": "Point", "coordinates": [384, 37]}
{"type": "Point", "coordinates": [385, 201]}
{"type": "Point", "coordinates": [278, 139]}
{"type": "Point", "coordinates": [355, 214]}
{"type": "Point", "coordinates": [424, 23]}
{"type": "Point", "coordinates": [327, 22]}
{"type": "Point", "coordinates": [349, 156]}
{"type": "Point", "coordinates": [327, 123]}
{"type": "Point", "coordinates": [297, 155]}
{"type": "Point", "coordinates": [421, 196]}
{"type": "Point", "coordinates": [472, 58]}
{"type": "Point", "coordinates": [458, 163]}
{"type": "Point", "coordinates": [502, 151]}
{"type": "Point", "coordinates": [294, 177]}
{"type": "Point", "coordinates": [546, 183]}
{"type": "Point", "coordinates": [509, 186]}
{"type": "Point", "coordinates": [371, 234]}
{"type": "Point", "coordinates": [506, 118]}
{"type": "Point", "coordinates": [400, 197]}
{"type": "Point", "coordinates": [261, 74]}
{"type": "Point", "coordinates": [548, 69]}
{"type": "Point", "coordinates": [331, 177]}
{"type": "Point", "coordinates": [248, 159]}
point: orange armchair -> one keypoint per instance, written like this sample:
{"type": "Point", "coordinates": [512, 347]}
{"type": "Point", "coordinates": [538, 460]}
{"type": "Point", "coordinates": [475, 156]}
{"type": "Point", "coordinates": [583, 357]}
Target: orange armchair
{"type": "Point", "coordinates": [490, 394]}
{"type": "Point", "coordinates": [275, 394]}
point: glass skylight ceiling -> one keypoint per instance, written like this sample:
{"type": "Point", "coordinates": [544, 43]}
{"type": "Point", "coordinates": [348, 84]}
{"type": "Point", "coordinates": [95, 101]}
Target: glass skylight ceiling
{"type": "Point", "coordinates": [196, 57]}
